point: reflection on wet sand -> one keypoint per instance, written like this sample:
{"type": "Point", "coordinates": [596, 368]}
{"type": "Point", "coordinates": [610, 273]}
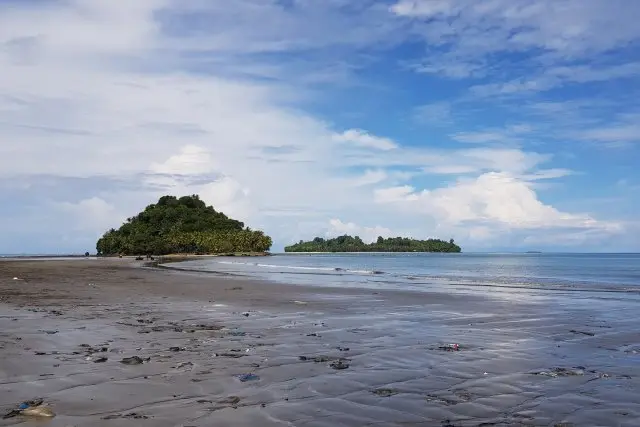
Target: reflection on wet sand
{"type": "Point", "coordinates": [204, 350]}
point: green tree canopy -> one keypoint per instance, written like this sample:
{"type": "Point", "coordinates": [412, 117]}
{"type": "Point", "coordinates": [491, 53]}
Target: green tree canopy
{"type": "Point", "coordinates": [355, 244]}
{"type": "Point", "coordinates": [181, 225]}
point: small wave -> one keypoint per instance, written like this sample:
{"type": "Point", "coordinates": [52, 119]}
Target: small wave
{"type": "Point", "coordinates": [298, 267]}
{"type": "Point", "coordinates": [365, 271]}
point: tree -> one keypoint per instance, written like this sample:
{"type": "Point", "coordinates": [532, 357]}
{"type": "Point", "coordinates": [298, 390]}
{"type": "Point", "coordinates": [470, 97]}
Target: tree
{"type": "Point", "coordinates": [184, 225]}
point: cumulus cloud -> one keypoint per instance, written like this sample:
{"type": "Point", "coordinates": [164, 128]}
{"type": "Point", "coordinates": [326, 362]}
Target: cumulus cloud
{"type": "Point", "coordinates": [494, 198]}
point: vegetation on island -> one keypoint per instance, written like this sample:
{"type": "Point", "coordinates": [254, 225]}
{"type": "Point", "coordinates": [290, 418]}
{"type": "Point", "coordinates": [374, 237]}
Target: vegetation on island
{"type": "Point", "coordinates": [181, 226]}
{"type": "Point", "coordinates": [355, 244]}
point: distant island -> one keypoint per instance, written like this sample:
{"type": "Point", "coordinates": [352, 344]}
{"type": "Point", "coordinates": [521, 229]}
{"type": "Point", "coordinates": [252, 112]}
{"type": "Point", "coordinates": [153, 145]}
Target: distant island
{"type": "Point", "coordinates": [355, 244]}
{"type": "Point", "coordinates": [181, 226]}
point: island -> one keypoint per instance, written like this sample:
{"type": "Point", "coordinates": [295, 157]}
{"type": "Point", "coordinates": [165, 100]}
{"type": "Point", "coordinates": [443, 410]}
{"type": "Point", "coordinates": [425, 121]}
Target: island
{"type": "Point", "coordinates": [355, 244]}
{"type": "Point", "coordinates": [184, 225]}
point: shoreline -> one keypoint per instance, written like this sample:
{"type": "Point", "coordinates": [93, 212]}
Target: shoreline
{"type": "Point", "coordinates": [201, 331]}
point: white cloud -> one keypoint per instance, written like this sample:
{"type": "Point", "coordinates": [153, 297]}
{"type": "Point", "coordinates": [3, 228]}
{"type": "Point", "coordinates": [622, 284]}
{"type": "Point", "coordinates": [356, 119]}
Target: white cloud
{"type": "Point", "coordinates": [92, 215]}
{"type": "Point", "coordinates": [362, 138]}
{"type": "Point", "coordinates": [192, 160]}
{"type": "Point", "coordinates": [564, 27]}
{"type": "Point", "coordinates": [494, 198]}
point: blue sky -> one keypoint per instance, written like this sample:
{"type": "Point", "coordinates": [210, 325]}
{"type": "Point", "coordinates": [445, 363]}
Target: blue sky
{"type": "Point", "coordinates": [505, 124]}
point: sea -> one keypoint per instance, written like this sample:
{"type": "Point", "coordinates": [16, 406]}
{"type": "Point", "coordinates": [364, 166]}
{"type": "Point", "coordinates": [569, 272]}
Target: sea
{"type": "Point", "coordinates": [507, 272]}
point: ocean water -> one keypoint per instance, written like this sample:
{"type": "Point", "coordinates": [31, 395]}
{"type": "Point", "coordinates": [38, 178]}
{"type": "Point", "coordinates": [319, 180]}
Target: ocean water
{"type": "Point", "coordinates": [426, 271]}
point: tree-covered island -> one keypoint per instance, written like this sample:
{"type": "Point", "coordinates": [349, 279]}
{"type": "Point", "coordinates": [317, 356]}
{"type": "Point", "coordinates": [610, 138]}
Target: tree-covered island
{"type": "Point", "coordinates": [181, 226]}
{"type": "Point", "coordinates": [355, 244]}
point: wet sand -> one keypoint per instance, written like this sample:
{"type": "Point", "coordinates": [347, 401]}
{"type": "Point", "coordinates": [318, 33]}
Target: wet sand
{"type": "Point", "coordinates": [541, 361]}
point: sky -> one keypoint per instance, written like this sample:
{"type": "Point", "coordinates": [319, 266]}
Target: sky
{"type": "Point", "coordinates": [504, 124]}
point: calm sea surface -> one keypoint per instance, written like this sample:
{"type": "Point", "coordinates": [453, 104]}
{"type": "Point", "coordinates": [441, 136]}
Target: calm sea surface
{"type": "Point", "coordinates": [561, 272]}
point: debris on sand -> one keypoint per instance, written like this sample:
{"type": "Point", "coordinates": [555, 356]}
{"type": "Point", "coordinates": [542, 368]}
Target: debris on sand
{"type": "Point", "coordinates": [39, 411]}
{"type": "Point", "coordinates": [339, 364]}
{"type": "Point", "coordinates": [247, 377]}
{"type": "Point", "coordinates": [231, 400]}
{"type": "Point", "coordinates": [385, 392]}
{"type": "Point", "coordinates": [185, 366]}
{"type": "Point", "coordinates": [100, 360]}
{"type": "Point", "coordinates": [562, 372]}
{"type": "Point", "coordinates": [449, 347]}
{"type": "Point", "coordinates": [589, 334]}
{"type": "Point", "coordinates": [233, 355]}
{"type": "Point", "coordinates": [31, 408]}
{"type": "Point", "coordinates": [131, 416]}
{"type": "Point", "coordinates": [342, 348]}
{"type": "Point", "coordinates": [134, 360]}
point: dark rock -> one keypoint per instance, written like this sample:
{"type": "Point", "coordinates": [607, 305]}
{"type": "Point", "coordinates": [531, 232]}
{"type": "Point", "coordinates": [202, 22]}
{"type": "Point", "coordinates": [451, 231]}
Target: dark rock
{"type": "Point", "coordinates": [385, 392]}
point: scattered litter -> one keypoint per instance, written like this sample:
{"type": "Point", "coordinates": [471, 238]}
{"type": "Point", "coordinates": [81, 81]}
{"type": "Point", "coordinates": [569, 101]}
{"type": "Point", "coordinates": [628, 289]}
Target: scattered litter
{"type": "Point", "coordinates": [16, 278]}
{"type": "Point", "coordinates": [385, 392]}
{"type": "Point", "coordinates": [50, 332]}
{"type": "Point", "coordinates": [231, 400]}
{"type": "Point", "coordinates": [300, 302]}
{"type": "Point", "coordinates": [39, 411]}
{"type": "Point", "coordinates": [247, 377]}
{"type": "Point", "coordinates": [187, 366]}
{"type": "Point", "coordinates": [237, 334]}
{"type": "Point", "coordinates": [450, 347]}
{"type": "Point", "coordinates": [100, 360]}
{"type": "Point", "coordinates": [229, 354]}
{"type": "Point", "coordinates": [562, 372]}
{"type": "Point", "coordinates": [31, 408]}
{"type": "Point", "coordinates": [245, 314]}
{"type": "Point", "coordinates": [176, 349]}
{"type": "Point", "coordinates": [589, 334]}
{"type": "Point", "coordinates": [134, 360]}
{"type": "Point", "coordinates": [342, 348]}
{"type": "Point", "coordinates": [339, 364]}
{"type": "Point", "coordinates": [313, 334]}
{"type": "Point", "coordinates": [131, 415]}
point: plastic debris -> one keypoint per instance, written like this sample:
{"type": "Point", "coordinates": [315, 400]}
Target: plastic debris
{"type": "Point", "coordinates": [32, 408]}
{"type": "Point", "coordinates": [248, 377]}
{"type": "Point", "coordinates": [450, 347]}
{"type": "Point", "coordinates": [100, 360]}
{"type": "Point", "coordinates": [133, 360]}
{"type": "Point", "coordinates": [39, 411]}
{"type": "Point", "coordinates": [339, 364]}
{"type": "Point", "coordinates": [385, 392]}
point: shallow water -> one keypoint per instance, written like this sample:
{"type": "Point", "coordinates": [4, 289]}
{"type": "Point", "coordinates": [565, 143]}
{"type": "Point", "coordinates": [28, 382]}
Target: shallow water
{"type": "Point", "coordinates": [514, 272]}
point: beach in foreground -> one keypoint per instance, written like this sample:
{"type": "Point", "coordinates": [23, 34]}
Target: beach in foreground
{"type": "Point", "coordinates": [315, 356]}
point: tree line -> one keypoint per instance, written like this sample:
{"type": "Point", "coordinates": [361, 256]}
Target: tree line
{"type": "Point", "coordinates": [355, 244]}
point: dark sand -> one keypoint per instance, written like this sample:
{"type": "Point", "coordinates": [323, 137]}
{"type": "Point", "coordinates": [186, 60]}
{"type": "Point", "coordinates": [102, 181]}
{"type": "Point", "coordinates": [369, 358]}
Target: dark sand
{"type": "Point", "coordinates": [505, 374]}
